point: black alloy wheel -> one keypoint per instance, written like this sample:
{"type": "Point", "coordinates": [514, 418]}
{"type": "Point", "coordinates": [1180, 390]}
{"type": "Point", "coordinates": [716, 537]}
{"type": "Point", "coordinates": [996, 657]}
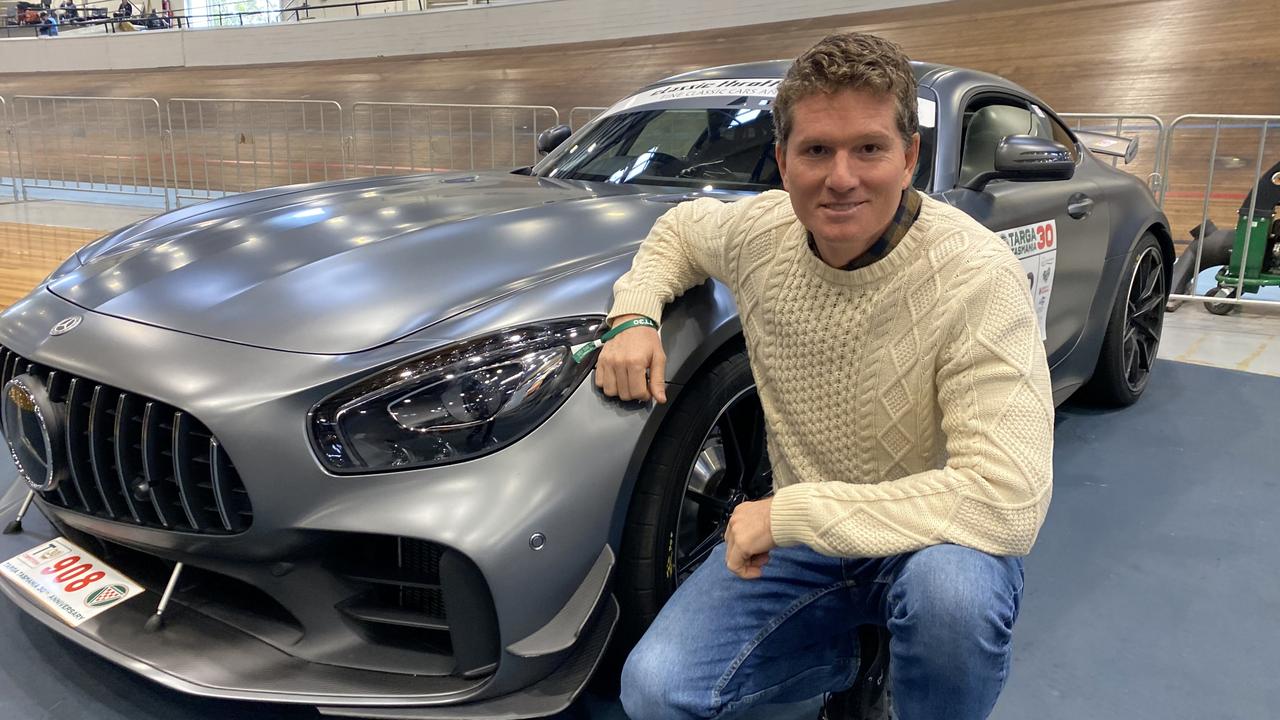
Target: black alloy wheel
{"type": "Point", "coordinates": [1144, 318]}
{"type": "Point", "coordinates": [731, 467]}
{"type": "Point", "coordinates": [1132, 338]}
{"type": "Point", "coordinates": [708, 457]}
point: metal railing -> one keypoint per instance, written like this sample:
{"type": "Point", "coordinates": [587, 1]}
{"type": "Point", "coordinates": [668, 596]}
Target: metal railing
{"type": "Point", "coordinates": [299, 12]}
{"type": "Point", "coordinates": [580, 116]}
{"type": "Point", "coordinates": [394, 138]}
{"type": "Point", "coordinates": [10, 177]}
{"type": "Point", "coordinates": [220, 147]}
{"type": "Point", "coordinates": [1202, 137]}
{"type": "Point", "coordinates": [99, 145]}
{"type": "Point", "coordinates": [1148, 130]}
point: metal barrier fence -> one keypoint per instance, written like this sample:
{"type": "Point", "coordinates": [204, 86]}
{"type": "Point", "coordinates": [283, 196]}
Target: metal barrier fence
{"type": "Point", "coordinates": [394, 138]}
{"type": "Point", "coordinates": [1212, 178]}
{"type": "Point", "coordinates": [10, 177]}
{"type": "Point", "coordinates": [220, 147]}
{"type": "Point", "coordinates": [1148, 130]}
{"type": "Point", "coordinates": [100, 145]}
{"type": "Point", "coordinates": [580, 116]}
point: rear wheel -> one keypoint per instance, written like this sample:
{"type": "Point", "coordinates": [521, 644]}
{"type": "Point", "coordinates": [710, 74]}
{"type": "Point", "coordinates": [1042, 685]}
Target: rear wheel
{"type": "Point", "coordinates": [708, 457]}
{"type": "Point", "coordinates": [1133, 332]}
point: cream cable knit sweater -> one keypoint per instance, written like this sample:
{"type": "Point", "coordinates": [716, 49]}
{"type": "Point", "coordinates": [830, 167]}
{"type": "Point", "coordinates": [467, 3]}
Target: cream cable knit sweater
{"type": "Point", "coordinates": [907, 403]}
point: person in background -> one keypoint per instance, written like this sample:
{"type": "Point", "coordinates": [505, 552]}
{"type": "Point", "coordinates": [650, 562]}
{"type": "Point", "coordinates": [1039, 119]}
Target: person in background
{"type": "Point", "coordinates": [48, 24]}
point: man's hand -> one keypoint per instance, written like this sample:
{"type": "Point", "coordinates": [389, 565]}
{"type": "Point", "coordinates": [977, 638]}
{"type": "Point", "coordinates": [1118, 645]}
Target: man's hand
{"type": "Point", "coordinates": [749, 538]}
{"type": "Point", "coordinates": [632, 365]}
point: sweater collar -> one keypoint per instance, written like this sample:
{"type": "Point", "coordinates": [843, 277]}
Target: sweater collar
{"type": "Point", "coordinates": [884, 268]}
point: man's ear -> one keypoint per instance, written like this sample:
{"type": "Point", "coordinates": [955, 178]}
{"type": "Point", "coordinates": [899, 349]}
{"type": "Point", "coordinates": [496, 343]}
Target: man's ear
{"type": "Point", "coordinates": [912, 157]}
{"type": "Point", "coordinates": [780, 156]}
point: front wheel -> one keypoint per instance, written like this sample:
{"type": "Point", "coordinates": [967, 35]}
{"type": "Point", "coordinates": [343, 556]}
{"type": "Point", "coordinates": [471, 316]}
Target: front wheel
{"type": "Point", "coordinates": [708, 457]}
{"type": "Point", "coordinates": [1133, 331]}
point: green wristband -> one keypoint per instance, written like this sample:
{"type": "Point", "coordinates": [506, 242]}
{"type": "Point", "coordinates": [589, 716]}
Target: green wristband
{"type": "Point", "coordinates": [580, 352]}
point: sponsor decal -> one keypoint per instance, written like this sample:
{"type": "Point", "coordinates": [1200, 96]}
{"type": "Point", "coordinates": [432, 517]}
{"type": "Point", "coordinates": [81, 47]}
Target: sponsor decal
{"type": "Point", "coordinates": [733, 92]}
{"type": "Point", "coordinates": [1036, 247]}
{"type": "Point", "coordinates": [105, 596]}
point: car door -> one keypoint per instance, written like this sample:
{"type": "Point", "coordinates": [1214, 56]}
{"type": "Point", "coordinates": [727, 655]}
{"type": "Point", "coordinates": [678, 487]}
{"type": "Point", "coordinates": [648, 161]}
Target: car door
{"type": "Point", "coordinates": [1053, 227]}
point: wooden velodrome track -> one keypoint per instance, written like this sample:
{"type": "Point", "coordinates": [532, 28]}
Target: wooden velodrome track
{"type": "Point", "coordinates": [1162, 57]}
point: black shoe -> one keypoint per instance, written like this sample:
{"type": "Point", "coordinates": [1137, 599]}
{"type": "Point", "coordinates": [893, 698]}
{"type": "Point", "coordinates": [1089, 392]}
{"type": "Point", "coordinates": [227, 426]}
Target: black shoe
{"type": "Point", "coordinates": [868, 698]}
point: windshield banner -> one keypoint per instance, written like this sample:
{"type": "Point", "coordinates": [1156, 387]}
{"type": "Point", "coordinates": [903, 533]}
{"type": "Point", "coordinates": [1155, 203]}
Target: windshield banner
{"type": "Point", "coordinates": [734, 92]}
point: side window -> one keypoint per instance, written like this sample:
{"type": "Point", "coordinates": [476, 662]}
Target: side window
{"type": "Point", "coordinates": [1048, 128]}
{"type": "Point", "coordinates": [987, 121]}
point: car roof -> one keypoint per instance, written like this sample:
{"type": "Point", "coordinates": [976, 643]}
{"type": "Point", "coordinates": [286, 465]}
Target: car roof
{"type": "Point", "coordinates": [923, 71]}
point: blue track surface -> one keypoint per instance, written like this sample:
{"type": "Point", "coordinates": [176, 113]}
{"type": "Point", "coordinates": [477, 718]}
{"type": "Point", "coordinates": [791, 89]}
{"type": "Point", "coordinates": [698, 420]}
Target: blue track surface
{"type": "Point", "coordinates": [1152, 593]}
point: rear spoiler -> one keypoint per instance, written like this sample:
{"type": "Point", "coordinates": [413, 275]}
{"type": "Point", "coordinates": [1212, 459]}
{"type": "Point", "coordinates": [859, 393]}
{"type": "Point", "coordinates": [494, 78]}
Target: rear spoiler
{"type": "Point", "coordinates": [1112, 145]}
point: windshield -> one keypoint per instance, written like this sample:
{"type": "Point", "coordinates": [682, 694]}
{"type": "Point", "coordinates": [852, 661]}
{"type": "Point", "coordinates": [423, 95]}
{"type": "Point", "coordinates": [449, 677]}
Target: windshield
{"type": "Point", "coordinates": [729, 148]}
{"type": "Point", "coordinates": [709, 148]}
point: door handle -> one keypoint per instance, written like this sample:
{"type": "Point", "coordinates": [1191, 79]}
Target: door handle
{"type": "Point", "coordinates": [1079, 205]}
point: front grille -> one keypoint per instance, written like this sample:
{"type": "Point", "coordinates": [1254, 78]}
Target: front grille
{"type": "Point", "coordinates": [138, 460]}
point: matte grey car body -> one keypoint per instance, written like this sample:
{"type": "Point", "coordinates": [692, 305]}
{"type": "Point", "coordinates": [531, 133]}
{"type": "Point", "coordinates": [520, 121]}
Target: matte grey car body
{"type": "Point", "coordinates": [244, 314]}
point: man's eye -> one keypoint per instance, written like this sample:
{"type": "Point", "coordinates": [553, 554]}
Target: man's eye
{"type": "Point", "coordinates": [870, 149]}
{"type": "Point", "coordinates": [815, 150]}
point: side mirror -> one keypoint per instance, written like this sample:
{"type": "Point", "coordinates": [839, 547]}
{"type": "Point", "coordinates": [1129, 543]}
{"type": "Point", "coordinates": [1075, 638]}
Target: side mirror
{"type": "Point", "coordinates": [551, 138]}
{"type": "Point", "coordinates": [1028, 158]}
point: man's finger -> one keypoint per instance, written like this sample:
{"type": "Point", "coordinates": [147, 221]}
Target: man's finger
{"type": "Point", "coordinates": [636, 380]}
{"type": "Point", "coordinates": [657, 377]}
{"type": "Point", "coordinates": [610, 384]}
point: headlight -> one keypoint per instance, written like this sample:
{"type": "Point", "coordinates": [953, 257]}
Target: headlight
{"type": "Point", "coordinates": [455, 403]}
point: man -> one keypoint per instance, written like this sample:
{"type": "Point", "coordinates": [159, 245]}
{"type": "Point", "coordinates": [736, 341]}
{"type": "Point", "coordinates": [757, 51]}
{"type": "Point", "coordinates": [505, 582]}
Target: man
{"type": "Point", "coordinates": [48, 25]}
{"type": "Point", "coordinates": [908, 408]}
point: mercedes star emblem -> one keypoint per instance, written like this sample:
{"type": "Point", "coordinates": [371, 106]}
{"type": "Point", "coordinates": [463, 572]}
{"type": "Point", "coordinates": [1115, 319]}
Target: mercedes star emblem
{"type": "Point", "coordinates": [66, 325]}
{"type": "Point", "coordinates": [33, 431]}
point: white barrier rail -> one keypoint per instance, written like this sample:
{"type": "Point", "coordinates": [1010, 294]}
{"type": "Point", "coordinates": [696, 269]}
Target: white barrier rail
{"type": "Point", "coordinates": [9, 177]}
{"type": "Point", "coordinates": [100, 145]}
{"type": "Point", "coordinates": [396, 138]}
{"type": "Point", "coordinates": [1221, 145]}
{"type": "Point", "coordinates": [225, 146]}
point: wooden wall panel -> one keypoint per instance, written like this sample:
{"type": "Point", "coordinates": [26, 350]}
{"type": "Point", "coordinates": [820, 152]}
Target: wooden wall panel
{"type": "Point", "coordinates": [1165, 57]}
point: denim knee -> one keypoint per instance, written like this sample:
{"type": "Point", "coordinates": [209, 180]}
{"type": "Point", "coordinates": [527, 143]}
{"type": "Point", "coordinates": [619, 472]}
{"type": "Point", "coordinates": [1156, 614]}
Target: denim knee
{"type": "Point", "coordinates": [650, 685]}
{"type": "Point", "coordinates": [957, 600]}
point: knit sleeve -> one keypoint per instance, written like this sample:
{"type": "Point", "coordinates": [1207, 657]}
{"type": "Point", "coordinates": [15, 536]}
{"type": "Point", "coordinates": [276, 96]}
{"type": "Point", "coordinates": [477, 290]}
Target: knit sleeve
{"type": "Point", "coordinates": [997, 411]}
{"type": "Point", "coordinates": [684, 248]}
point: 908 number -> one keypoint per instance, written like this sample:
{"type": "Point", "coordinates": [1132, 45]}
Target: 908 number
{"type": "Point", "coordinates": [75, 574]}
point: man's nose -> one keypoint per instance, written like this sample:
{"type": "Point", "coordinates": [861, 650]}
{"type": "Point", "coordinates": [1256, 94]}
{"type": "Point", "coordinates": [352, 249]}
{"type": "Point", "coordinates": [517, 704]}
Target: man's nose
{"type": "Point", "coordinates": [843, 175]}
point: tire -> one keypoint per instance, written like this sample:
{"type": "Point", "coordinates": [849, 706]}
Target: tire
{"type": "Point", "coordinates": [1219, 308]}
{"type": "Point", "coordinates": [664, 525]}
{"type": "Point", "coordinates": [1132, 337]}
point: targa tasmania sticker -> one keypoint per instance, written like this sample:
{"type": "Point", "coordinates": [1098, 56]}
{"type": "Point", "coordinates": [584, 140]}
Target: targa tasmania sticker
{"type": "Point", "coordinates": [1036, 246]}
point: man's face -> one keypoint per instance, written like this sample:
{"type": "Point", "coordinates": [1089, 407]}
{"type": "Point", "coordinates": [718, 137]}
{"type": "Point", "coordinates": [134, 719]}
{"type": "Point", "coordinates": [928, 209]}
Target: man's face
{"type": "Point", "coordinates": [846, 166]}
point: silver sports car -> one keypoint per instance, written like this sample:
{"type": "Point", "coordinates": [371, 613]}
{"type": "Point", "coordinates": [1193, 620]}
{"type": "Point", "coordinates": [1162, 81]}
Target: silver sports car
{"type": "Point", "coordinates": [338, 426]}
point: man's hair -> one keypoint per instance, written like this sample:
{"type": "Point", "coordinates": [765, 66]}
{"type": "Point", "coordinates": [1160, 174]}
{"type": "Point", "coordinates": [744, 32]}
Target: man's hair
{"type": "Point", "coordinates": [854, 61]}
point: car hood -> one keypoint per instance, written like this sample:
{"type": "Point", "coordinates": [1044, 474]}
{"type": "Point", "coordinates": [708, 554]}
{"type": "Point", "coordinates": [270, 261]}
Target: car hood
{"type": "Point", "coordinates": [341, 268]}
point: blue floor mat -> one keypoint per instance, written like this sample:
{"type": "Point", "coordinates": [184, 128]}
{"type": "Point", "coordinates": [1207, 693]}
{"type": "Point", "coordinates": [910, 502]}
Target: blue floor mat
{"type": "Point", "coordinates": [1152, 592]}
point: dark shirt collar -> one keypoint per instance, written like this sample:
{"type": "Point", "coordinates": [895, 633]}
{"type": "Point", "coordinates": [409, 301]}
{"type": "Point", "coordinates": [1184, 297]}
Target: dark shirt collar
{"type": "Point", "coordinates": [908, 211]}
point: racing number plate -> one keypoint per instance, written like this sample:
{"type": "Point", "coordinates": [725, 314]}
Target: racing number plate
{"type": "Point", "coordinates": [70, 582]}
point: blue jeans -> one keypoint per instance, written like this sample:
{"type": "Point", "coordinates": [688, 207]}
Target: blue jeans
{"type": "Point", "coordinates": [723, 644]}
